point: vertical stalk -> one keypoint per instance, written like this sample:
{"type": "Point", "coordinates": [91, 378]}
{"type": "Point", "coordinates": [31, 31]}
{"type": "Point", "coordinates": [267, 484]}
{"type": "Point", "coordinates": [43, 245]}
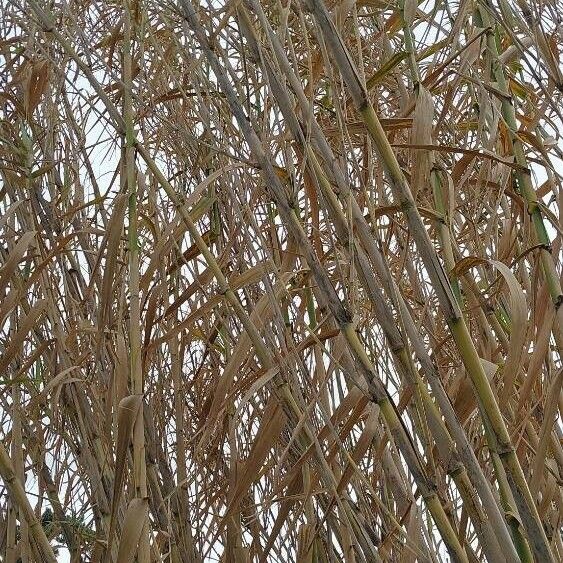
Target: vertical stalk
{"type": "Point", "coordinates": [523, 175]}
{"type": "Point", "coordinates": [382, 312]}
{"type": "Point", "coordinates": [11, 532]}
{"type": "Point", "coordinates": [17, 457]}
{"type": "Point", "coordinates": [182, 476]}
{"type": "Point", "coordinates": [443, 231]}
{"type": "Point", "coordinates": [136, 370]}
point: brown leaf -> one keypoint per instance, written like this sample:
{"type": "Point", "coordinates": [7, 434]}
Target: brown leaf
{"type": "Point", "coordinates": [132, 529]}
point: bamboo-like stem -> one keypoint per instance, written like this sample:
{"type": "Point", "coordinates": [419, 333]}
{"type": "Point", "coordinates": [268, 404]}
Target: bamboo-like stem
{"type": "Point", "coordinates": [523, 174]}
{"type": "Point", "coordinates": [499, 440]}
{"type": "Point", "coordinates": [135, 360]}
{"type": "Point", "coordinates": [443, 230]}
{"type": "Point", "coordinates": [383, 315]}
{"type": "Point", "coordinates": [508, 504]}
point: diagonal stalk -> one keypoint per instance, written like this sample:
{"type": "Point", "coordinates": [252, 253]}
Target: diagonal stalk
{"type": "Point", "coordinates": [338, 310]}
{"type": "Point", "coordinates": [384, 316]}
{"type": "Point", "coordinates": [136, 369]}
{"type": "Point", "coordinates": [499, 438]}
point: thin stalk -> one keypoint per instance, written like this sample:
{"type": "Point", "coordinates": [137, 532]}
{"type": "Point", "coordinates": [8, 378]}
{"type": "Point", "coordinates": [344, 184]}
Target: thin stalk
{"type": "Point", "coordinates": [17, 456]}
{"type": "Point", "coordinates": [508, 504]}
{"type": "Point", "coordinates": [523, 174]}
{"type": "Point", "coordinates": [443, 230]}
{"type": "Point", "coordinates": [136, 369]}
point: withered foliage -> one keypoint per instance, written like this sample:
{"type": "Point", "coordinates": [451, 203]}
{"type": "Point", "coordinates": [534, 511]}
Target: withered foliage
{"type": "Point", "coordinates": [280, 281]}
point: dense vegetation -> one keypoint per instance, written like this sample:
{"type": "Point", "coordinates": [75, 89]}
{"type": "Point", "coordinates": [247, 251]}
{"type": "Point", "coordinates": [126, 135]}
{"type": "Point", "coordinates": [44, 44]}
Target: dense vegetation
{"type": "Point", "coordinates": [280, 281]}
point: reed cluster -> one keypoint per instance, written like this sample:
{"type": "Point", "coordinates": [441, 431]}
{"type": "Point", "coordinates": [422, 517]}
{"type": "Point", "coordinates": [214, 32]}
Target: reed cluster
{"type": "Point", "coordinates": [280, 281]}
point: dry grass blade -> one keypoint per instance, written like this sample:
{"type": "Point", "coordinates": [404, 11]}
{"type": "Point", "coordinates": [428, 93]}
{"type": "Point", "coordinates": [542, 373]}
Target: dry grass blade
{"type": "Point", "coordinates": [115, 229]}
{"type": "Point", "coordinates": [518, 326]}
{"type": "Point", "coordinates": [27, 324]}
{"type": "Point", "coordinates": [550, 414]}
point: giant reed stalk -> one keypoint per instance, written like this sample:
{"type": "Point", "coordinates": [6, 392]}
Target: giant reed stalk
{"type": "Point", "coordinates": [243, 280]}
